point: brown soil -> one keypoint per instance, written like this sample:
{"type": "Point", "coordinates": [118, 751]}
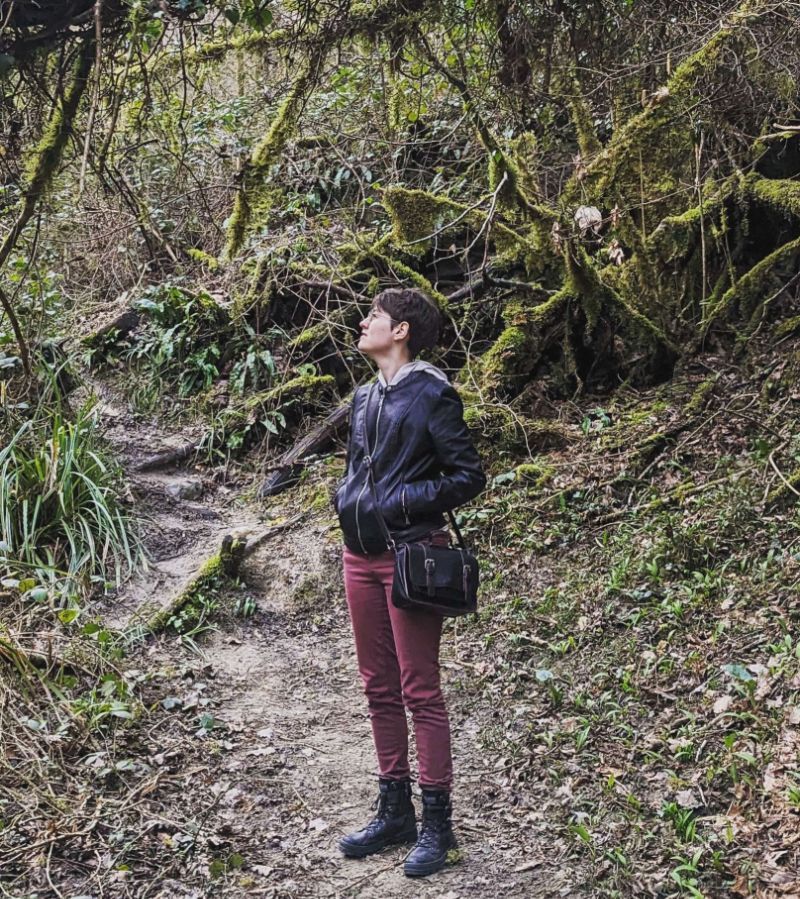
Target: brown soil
{"type": "Point", "coordinates": [262, 797]}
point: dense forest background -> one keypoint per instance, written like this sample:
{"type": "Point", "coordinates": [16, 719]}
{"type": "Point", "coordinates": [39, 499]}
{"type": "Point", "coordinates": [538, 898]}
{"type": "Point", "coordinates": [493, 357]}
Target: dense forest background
{"type": "Point", "coordinates": [198, 201]}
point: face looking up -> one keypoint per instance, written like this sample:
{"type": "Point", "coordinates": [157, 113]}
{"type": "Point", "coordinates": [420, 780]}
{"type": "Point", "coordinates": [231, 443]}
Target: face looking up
{"type": "Point", "coordinates": [380, 333]}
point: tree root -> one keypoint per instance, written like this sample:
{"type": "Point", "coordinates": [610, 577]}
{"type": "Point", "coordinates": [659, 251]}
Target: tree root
{"type": "Point", "coordinates": [169, 457]}
{"type": "Point", "coordinates": [222, 566]}
{"type": "Point", "coordinates": [26, 659]}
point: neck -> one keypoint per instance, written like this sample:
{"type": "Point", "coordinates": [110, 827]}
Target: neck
{"type": "Point", "coordinates": [390, 364]}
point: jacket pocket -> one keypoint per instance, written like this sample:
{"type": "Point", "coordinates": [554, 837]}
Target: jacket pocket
{"type": "Point", "coordinates": [404, 504]}
{"type": "Point", "coordinates": [393, 509]}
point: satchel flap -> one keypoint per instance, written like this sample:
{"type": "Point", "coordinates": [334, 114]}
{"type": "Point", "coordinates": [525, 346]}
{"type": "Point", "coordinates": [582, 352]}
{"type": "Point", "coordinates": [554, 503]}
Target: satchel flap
{"type": "Point", "coordinates": [445, 566]}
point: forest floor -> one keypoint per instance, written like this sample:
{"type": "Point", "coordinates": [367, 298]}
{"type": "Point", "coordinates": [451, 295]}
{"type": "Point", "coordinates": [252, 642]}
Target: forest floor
{"type": "Point", "coordinates": [625, 707]}
{"type": "Point", "coordinates": [263, 751]}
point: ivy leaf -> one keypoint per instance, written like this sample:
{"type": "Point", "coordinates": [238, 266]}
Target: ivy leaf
{"type": "Point", "coordinates": [67, 616]}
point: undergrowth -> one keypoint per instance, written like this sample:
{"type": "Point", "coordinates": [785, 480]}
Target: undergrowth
{"type": "Point", "coordinates": [642, 609]}
{"type": "Point", "coordinates": [63, 527]}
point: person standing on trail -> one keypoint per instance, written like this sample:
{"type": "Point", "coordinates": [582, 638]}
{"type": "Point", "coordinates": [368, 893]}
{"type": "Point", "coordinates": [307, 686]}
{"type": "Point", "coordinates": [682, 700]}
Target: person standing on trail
{"type": "Point", "coordinates": [424, 464]}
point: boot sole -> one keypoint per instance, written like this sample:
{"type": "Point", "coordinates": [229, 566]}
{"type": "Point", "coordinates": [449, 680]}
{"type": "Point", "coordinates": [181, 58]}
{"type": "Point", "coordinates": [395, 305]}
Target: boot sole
{"type": "Point", "coordinates": [355, 851]}
{"type": "Point", "coordinates": [423, 869]}
{"type": "Point", "coordinates": [420, 869]}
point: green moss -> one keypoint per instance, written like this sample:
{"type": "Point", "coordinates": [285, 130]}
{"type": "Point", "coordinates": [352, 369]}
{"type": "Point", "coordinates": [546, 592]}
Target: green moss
{"type": "Point", "coordinates": [535, 474]}
{"type": "Point", "coordinates": [310, 337]}
{"type": "Point", "coordinates": [514, 354]}
{"type": "Point", "coordinates": [400, 269]}
{"type": "Point", "coordinates": [217, 51]}
{"type": "Point", "coordinates": [595, 293]}
{"type": "Point", "coordinates": [397, 106]}
{"type": "Point", "coordinates": [756, 285]}
{"type": "Point", "coordinates": [206, 259]}
{"type": "Point", "coordinates": [414, 214]}
{"type": "Point", "coordinates": [658, 142]}
{"type": "Point", "coordinates": [676, 235]}
{"type": "Point", "coordinates": [267, 152]}
{"type": "Point", "coordinates": [524, 153]}
{"type": "Point", "coordinates": [497, 427]}
{"type": "Point", "coordinates": [781, 195]}
{"type": "Point", "coordinates": [788, 327]}
{"type": "Point", "coordinates": [785, 493]}
{"type": "Point", "coordinates": [701, 395]}
{"type": "Point", "coordinates": [211, 576]}
{"type": "Point", "coordinates": [43, 161]}
{"type": "Point", "coordinates": [306, 389]}
{"type": "Point", "coordinates": [582, 120]}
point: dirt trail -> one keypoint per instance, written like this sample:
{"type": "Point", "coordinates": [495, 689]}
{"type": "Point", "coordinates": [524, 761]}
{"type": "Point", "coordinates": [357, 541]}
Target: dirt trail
{"type": "Point", "coordinates": [293, 765]}
{"type": "Point", "coordinates": [304, 772]}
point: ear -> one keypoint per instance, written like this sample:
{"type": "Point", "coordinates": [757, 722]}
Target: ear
{"type": "Point", "coordinates": [401, 331]}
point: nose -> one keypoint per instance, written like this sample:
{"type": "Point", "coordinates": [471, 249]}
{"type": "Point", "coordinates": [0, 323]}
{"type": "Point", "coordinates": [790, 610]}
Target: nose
{"type": "Point", "coordinates": [364, 323]}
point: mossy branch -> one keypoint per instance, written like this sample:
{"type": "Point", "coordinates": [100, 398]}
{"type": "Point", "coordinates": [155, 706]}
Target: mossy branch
{"type": "Point", "coordinates": [653, 131]}
{"type": "Point", "coordinates": [221, 567]}
{"type": "Point", "coordinates": [781, 195]}
{"type": "Point", "coordinates": [47, 155]}
{"type": "Point", "coordinates": [594, 293]}
{"type": "Point", "coordinates": [39, 171]}
{"type": "Point", "coordinates": [417, 215]}
{"type": "Point", "coordinates": [517, 350]}
{"type": "Point", "coordinates": [753, 288]}
{"type": "Point", "coordinates": [582, 120]}
{"type": "Point", "coordinates": [500, 163]}
{"type": "Point", "coordinates": [269, 149]}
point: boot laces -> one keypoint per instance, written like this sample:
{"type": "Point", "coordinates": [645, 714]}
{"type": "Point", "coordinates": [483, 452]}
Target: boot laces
{"type": "Point", "coordinates": [379, 807]}
{"type": "Point", "coordinates": [385, 806]}
{"type": "Point", "coordinates": [433, 824]}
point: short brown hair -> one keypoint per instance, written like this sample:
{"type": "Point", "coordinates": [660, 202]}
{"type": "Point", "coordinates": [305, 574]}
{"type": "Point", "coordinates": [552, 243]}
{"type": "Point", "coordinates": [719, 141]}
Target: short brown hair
{"type": "Point", "coordinates": [407, 304]}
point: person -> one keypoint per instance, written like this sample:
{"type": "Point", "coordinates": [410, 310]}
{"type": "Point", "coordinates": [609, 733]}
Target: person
{"type": "Point", "coordinates": [410, 423]}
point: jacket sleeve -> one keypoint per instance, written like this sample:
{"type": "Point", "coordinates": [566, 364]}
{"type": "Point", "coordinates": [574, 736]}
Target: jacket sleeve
{"type": "Point", "coordinates": [462, 476]}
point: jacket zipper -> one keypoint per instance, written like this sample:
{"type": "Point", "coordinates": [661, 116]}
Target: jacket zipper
{"type": "Point", "coordinates": [358, 526]}
{"type": "Point", "coordinates": [378, 422]}
{"type": "Point", "coordinates": [366, 481]}
{"type": "Point", "coordinates": [405, 506]}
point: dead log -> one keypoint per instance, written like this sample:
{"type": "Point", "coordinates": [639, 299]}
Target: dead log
{"type": "Point", "coordinates": [286, 472]}
{"type": "Point", "coordinates": [121, 325]}
{"type": "Point", "coordinates": [169, 457]}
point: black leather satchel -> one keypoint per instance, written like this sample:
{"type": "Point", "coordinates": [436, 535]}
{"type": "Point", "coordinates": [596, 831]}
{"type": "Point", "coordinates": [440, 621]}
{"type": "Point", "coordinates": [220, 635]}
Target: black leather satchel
{"type": "Point", "coordinates": [440, 579]}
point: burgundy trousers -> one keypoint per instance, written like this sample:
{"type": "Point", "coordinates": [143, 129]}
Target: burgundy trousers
{"type": "Point", "coordinates": [398, 658]}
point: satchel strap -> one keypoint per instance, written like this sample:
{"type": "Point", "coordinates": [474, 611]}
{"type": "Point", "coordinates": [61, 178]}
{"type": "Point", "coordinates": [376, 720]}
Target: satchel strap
{"type": "Point", "coordinates": [457, 529]}
{"type": "Point", "coordinates": [370, 478]}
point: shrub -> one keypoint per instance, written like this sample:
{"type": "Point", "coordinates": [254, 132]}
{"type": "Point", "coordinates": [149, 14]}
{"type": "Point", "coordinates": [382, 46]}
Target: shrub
{"type": "Point", "coordinates": [60, 513]}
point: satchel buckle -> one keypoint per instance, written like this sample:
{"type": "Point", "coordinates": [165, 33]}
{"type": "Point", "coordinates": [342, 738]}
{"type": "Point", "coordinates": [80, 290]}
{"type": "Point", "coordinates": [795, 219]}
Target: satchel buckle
{"type": "Point", "coordinates": [430, 567]}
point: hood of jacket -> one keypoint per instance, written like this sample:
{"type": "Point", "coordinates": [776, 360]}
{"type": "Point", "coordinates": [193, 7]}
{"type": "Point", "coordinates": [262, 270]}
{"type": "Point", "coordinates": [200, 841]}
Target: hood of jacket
{"type": "Point", "coordinates": [405, 370]}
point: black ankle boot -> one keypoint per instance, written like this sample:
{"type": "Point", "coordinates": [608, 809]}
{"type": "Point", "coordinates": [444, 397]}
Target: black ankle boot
{"type": "Point", "coordinates": [395, 822]}
{"type": "Point", "coordinates": [436, 836]}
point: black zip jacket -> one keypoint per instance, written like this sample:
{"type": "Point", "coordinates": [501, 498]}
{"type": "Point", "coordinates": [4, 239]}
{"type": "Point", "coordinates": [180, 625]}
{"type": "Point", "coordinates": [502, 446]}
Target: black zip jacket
{"type": "Point", "coordinates": [423, 461]}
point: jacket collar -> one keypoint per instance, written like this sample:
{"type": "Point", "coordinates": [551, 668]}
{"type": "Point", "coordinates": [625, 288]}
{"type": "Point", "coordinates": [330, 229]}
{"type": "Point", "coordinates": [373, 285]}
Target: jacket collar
{"type": "Point", "coordinates": [409, 368]}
